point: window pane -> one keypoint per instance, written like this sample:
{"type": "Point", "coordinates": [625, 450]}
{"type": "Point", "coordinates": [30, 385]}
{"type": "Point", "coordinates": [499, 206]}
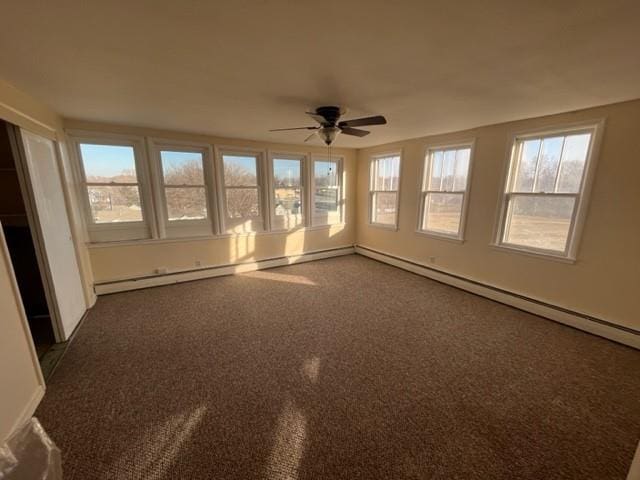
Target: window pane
{"type": "Point", "coordinates": [462, 169]}
{"type": "Point", "coordinates": [442, 212]}
{"type": "Point", "coordinates": [325, 174]}
{"type": "Point", "coordinates": [326, 206]}
{"type": "Point", "coordinates": [242, 202]}
{"type": "Point", "coordinates": [436, 170]}
{"type": "Point", "coordinates": [115, 204]}
{"type": "Point", "coordinates": [548, 164]}
{"type": "Point", "coordinates": [288, 208]}
{"type": "Point", "coordinates": [286, 173]}
{"type": "Point", "coordinates": [182, 168]}
{"type": "Point", "coordinates": [526, 168]}
{"type": "Point", "coordinates": [186, 203]}
{"type": "Point", "coordinates": [395, 173]}
{"type": "Point", "coordinates": [326, 200]}
{"type": "Point", "coordinates": [540, 222]}
{"type": "Point", "coordinates": [574, 158]}
{"type": "Point", "coordinates": [448, 166]}
{"type": "Point", "coordinates": [108, 163]}
{"type": "Point", "coordinates": [378, 172]}
{"type": "Point", "coordinates": [287, 201]}
{"type": "Point", "coordinates": [240, 170]}
{"type": "Point", "coordinates": [384, 208]}
{"type": "Point", "coordinates": [386, 172]}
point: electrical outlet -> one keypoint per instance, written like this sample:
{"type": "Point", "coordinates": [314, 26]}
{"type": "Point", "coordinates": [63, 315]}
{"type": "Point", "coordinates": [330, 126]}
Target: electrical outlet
{"type": "Point", "coordinates": [432, 259]}
{"type": "Point", "coordinates": [198, 263]}
{"type": "Point", "coordinates": [161, 270]}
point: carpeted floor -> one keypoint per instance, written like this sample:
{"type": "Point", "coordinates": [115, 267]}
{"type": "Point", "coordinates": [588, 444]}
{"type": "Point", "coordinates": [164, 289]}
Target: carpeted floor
{"type": "Point", "coordinates": [337, 369]}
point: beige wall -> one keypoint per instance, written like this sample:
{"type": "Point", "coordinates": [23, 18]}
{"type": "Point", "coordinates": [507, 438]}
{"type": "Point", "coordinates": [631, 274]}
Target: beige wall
{"type": "Point", "coordinates": [118, 261]}
{"type": "Point", "coordinates": [603, 282]}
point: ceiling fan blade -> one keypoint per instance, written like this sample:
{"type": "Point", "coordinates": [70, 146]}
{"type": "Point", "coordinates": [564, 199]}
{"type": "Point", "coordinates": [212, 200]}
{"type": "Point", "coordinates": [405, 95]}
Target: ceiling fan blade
{"type": "Point", "coordinates": [361, 122]}
{"type": "Point", "coordinates": [309, 137]}
{"type": "Point", "coordinates": [354, 131]}
{"type": "Point", "coordinates": [295, 128]}
{"type": "Point", "coordinates": [318, 118]}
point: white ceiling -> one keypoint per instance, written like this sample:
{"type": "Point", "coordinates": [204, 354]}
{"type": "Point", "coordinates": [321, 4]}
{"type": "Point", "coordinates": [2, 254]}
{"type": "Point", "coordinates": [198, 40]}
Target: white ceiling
{"type": "Point", "coordinates": [237, 68]}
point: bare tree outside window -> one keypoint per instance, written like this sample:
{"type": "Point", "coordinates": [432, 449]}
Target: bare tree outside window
{"type": "Point", "coordinates": [241, 186]}
{"type": "Point", "coordinates": [184, 185]}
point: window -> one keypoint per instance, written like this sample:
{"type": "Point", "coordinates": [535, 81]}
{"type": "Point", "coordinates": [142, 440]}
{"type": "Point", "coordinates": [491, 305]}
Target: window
{"type": "Point", "coordinates": [444, 191]}
{"type": "Point", "coordinates": [115, 201]}
{"type": "Point", "coordinates": [384, 172]}
{"type": "Point", "coordinates": [241, 192]}
{"type": "Point", "coordinates": [287, 195]}
{"type": "Point", "coordinates": [112, 183]}
{"type": "Point", "coordinates": [326, 193]}
{"type": "Point", "coordinates": [184, 185]}
{"type": "Point", "coordinates": [544, 190]}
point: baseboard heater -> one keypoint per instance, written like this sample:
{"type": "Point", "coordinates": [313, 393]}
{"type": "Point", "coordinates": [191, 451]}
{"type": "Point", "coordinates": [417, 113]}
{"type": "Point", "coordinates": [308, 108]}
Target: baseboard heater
{"type": "Point", "coordinates": [187, 275]}
{"type": "Point", "coordinates": [619, 333]}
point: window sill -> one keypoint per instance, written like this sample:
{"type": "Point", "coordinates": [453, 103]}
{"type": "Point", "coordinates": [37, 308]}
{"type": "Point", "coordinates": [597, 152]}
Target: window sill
{"type": "Point", "coordinates": [208, 237]}
{"type": "Point", "coordinates": [532, 253]}
{"type": "Point", "coordinates": [439, 236]}
{"type": "Point", "coordinates": [393, 228]}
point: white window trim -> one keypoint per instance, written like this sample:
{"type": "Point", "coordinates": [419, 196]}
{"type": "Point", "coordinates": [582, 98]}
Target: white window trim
{"type": "Point", "coordinates": [183, 228]}
{"type": "Point", "coordinates": [303, 158]}
{"type": "Point", "coordinates": [262, 185]}
{"type": "Point", "coordinates": [107, 232]}
{"type": "Point", "coordinates": [595, 127]}
{"type": "Point", "coordinates": [339, 161]}
{"type": "Point", "coordinates": [371, 193]}
{"type": "Point", "coordinates": [424, 176]}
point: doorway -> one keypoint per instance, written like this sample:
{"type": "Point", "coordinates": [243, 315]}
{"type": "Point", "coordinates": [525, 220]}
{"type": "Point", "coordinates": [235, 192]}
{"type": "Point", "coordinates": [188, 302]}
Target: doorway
{"type": "Point", "coordinates": [20, 241]}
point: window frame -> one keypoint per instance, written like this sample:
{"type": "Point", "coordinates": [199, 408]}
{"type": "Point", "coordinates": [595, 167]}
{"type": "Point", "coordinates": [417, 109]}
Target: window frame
{"type": "Point", "coordinates": [226, 224]}
{"type": "Point", "coordinates": [372, 193]}
{"type": "Point", "coordinates": [303, 159]}
{"type": "Point", "coordinates": [423, 188]}
{"type": "Point", "coordinates": [578, 215]}
{"type": "Point", "coordinates": [118, 231]}
{"type": "Point", "coordinates": [183, 228]}
{"type": "Point", "coordinates": [339, 161]}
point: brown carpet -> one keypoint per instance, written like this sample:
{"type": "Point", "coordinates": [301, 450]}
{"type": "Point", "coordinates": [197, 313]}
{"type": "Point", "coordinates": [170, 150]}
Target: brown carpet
{"type": "Point", "coordinates": [338, 369]}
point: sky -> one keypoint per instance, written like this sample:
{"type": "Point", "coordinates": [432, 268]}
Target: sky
{"type": "Point", "coordinates": [112, 160]}
{"type": "Point", "coordinates": [106, 160]}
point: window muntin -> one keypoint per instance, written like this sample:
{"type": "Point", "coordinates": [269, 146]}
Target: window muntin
{"type": "Point", "coordinates": [384, 184]}
{"type": "Point", "coordinates": [326, 208]}
{"type": "Point", "coordinates": [445, 190]}
{"type": "Point", "coordinates": [184, 185]}
{"type": "Point", "coordinates": [111, 182]}
{"type": "Point", "coordinates": [543, 191]}
{"type": "Point", "coordinates": [287, 192]}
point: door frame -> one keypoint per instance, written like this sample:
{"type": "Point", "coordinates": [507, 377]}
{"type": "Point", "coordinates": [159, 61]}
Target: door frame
{"type": "Point", "coordinates": [19, 156]}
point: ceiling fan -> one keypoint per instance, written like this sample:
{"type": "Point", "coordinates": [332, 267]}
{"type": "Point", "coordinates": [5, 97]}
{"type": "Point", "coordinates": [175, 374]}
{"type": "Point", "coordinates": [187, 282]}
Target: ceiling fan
{"type": "Point", "coordinates": [330, 124]}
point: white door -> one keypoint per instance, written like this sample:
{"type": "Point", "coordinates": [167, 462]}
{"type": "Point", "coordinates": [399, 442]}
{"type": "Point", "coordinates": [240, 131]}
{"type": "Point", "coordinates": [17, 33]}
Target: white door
{"type": "Point", "coordinates": [63, 274]}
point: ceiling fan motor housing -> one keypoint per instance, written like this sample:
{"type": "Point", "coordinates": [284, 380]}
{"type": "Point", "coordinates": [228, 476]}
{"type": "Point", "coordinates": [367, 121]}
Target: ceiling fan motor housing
{"type": "Point", "coordinates": [330, 114]}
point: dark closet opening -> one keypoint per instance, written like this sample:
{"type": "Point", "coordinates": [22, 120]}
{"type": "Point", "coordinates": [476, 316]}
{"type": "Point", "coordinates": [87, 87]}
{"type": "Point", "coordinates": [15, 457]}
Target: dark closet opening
{"type": "Point", "coordinates": [21, 246]}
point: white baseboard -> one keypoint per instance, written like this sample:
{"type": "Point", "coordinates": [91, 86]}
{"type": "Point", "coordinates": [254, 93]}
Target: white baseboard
{"type": "Point", "coordinates": [599, 327]}
{"type": "Point", "coordinates": [216, 271]}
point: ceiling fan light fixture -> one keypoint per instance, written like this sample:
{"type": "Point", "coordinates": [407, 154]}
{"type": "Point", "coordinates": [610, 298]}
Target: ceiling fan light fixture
{"type": "Point", "coordinates": [328, 134]}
